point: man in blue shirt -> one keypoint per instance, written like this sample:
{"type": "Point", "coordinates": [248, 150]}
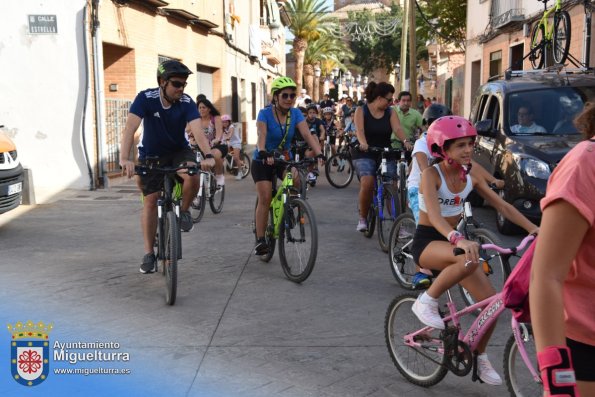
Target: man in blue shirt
{"type": "Point", "coordinates": [165, 111]}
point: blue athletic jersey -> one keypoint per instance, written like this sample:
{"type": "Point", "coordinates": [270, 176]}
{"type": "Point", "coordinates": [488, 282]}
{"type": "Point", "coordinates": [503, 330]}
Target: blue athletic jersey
{"type": "Point", "coordinates": [163, 129]}
{"type": "Point", "coordinates": [276, 131]}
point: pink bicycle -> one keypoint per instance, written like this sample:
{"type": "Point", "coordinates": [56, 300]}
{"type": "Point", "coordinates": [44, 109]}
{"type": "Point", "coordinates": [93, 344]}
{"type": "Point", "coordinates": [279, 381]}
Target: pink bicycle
{"type": "Point", "coordinates": [424, 355]}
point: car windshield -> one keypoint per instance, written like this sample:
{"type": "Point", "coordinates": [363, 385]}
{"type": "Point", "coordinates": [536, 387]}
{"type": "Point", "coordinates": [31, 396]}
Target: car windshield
{"type": "Point", "coordinates": [548, 111]}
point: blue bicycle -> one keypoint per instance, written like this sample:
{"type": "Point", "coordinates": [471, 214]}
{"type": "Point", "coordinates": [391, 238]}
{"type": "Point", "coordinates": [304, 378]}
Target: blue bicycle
{"type": "Point", "coordinates": [385, 207]}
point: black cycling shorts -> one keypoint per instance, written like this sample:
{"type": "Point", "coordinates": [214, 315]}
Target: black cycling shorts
{"type": "Point", "coordinates": [264, 172]}
{"type": "Point", "coordinates": [424, 235]}
{"type": "Point", "coordinates": [582, 358]}
{"type": "Point", "coordinates": [152, 183]}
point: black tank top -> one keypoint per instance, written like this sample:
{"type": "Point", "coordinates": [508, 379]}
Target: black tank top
{"type": "Point", "coordinates": [376, 131]}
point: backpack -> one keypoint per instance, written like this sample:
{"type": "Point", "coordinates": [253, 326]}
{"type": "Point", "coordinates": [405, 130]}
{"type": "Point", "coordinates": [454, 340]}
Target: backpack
{"type": "Point", "coordinates": [515, 292]}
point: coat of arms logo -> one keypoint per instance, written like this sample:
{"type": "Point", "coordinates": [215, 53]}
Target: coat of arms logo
{"type": "Point", "coordinates": [29, 347]}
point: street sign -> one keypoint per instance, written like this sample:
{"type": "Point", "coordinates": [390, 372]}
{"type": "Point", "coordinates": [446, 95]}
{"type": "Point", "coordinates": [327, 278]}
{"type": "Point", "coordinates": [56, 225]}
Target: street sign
{"type": "Point", "coordinates": [43, 24]}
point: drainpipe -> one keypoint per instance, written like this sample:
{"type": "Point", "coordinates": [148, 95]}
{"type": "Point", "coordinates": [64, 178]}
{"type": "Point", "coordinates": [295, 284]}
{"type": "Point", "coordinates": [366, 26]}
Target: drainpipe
{"type": "Point", "coordinates": [99, 92]}
{"type": "Point", "coordinates": [86, 100]}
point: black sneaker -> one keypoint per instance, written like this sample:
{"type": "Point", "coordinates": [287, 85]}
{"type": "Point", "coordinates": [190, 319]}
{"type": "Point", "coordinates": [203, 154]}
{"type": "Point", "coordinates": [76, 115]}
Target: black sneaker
{"type": "Point", "coordinates": [186, 223]}
{"type": "Point", "coordinates": [261, 248]}
{"type": "Point", "coordinates": [148, 265]}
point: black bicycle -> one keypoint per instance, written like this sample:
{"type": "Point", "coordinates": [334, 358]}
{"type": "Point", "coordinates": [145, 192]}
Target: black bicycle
{"type": "Point", "coordinates": [339, 169]}
{"type": "Point", "coordinates": [168, 238]}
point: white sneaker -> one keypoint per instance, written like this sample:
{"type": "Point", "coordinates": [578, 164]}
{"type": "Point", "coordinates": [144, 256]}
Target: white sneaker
{"type": "Point", "coordinates": [311, 176]}
{"type": "Point", "coordinates": [362, 225]}
{"type": "Point", "coordinates": [220, 179]}
{"type": "Point", "coordinates": [428, 314]}
{"type": "Point", "coordinates": [238, 177]}
{"type": "Point", "coordinates": [486, 372]}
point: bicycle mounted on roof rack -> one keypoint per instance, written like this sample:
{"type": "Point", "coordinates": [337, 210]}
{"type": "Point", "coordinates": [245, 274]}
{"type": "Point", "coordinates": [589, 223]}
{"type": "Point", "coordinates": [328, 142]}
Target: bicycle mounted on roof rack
{"type": "Point", "coordinates": [555, 70]}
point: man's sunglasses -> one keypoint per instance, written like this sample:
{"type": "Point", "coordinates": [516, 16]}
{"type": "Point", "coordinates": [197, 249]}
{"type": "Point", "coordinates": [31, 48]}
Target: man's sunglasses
{"type": "Point", "coordinates": [178, 84]}
{"type": "Point", "coordinates": [286, 95]}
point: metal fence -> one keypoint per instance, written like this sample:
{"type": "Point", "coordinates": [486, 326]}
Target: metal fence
{"type": "Point", "coordinates": [116, 112]}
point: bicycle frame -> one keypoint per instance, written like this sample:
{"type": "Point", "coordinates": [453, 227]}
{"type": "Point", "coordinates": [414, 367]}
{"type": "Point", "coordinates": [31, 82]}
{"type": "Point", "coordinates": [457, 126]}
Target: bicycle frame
{"type": "Point", "coordinates": [544, 21]}
{"type": "Point", "coordinates": [279, 200]}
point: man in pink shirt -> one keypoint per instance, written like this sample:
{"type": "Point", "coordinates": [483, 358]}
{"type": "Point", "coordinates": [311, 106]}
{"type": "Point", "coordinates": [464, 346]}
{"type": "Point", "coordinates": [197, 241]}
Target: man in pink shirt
{"type": "Point", "coordinates": [562, 289]}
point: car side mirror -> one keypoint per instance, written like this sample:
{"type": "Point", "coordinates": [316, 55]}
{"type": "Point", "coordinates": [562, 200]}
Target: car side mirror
{"type": "Point", "coordinates": [484, 128]}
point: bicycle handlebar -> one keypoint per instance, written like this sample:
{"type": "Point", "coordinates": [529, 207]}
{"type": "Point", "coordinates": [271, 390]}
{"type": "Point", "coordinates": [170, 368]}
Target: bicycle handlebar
{"type": "Point", "coordinates": [501, 250]}
{"type": "Point", "coordinates": [378, 149]}
{"type": "Point", "coordinates": [153, 169]}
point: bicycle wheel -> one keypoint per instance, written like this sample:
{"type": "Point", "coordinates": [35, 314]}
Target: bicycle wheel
{"type": "Point", "coordinates": [562, 31]}
{"type": "Point", "coordinates": [497, 269]}
{"type": "Point", "coordinates": [421, 360]}
{"type": "Point", "coordinates": [244, 170]}
{"type": "Point", "coordinates": [197, 207]}
{"type": "Point", "coordinates": [390, 211]}
{"type": "Point", "coordinates": [537, 46]}
{"type": "Point", "coordinates": [268, 234]}
{"type": "Point", "coordinates": [402, 187]}
{"type": "Point", "coordinates": [519, 380]}
{"type": "Point", "coordinates": [298, 240]}
{"type": "Point", "coordinates": [399, 250]}
{"type": "Point", "coordinates": [217, 197]}
{"type": "Point", "coordinates": [327, 151]}
{"type": "Point", "coordinates": [170, 261]}
{"type": "Point", "coordinates": [339, 170]}
{"type": "Point", "coordinates": [371, 219]}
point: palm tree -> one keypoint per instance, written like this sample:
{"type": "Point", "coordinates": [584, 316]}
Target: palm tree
{"type": "Point", "coordinates": [327, 52]}
{"type": "Point", "coordinates": [308, 22]}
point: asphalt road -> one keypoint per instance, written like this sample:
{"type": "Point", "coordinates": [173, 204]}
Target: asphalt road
{"type": "Point", "coordinates": [238, 328]}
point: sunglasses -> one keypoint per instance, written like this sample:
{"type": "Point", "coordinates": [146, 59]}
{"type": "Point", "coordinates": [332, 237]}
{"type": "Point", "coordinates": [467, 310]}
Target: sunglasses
{"type": "Point", "coordinates": [178, 84]}
{"type": "Point", "coordinates": [286, 95]}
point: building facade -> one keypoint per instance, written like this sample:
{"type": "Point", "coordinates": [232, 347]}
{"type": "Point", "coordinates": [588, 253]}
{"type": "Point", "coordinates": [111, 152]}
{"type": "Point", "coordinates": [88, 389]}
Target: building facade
{"type": "Point", "coordinates": [498, 38]}
{"type": "Point", "coordinates": [82, 62]}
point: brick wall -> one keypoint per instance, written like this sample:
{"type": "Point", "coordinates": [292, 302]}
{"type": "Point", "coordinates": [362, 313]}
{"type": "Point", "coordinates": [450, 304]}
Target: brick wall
{"type": "Point", "coordinates": [117, 64]}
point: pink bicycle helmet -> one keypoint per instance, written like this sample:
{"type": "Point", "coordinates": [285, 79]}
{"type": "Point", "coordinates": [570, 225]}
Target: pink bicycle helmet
{"type": "Point", "coordinates": [446, 128]}
{"type": "Point", "coordinates": [226, 117]}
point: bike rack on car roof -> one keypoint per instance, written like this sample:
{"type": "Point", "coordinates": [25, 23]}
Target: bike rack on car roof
{"type": "Point", "coordinates": [559, 70]}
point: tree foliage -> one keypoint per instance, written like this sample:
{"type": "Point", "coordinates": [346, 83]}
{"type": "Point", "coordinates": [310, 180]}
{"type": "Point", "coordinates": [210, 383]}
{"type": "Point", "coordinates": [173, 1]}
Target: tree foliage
{"type": "Point", "coordinates": [448, 20]}
{"type": "Point", "coordinates": [383, 51]}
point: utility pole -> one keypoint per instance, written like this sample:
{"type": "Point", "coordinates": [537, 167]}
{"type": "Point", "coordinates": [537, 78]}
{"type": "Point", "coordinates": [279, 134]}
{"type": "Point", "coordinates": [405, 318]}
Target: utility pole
{"type": "Point", "coordinates": [412, 55]}
{"type": "Point", "coordinates": [403, 60]}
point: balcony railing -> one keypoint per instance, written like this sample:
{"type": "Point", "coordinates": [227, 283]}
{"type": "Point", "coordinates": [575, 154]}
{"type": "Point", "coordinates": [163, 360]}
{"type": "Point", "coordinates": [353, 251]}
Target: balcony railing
{"type": "Point", "coordinates": [506, 11]}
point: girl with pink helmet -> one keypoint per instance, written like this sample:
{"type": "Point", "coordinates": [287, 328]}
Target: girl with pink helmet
{"type": "Point", "coordinates": [442, 192]}
{"type": "Point", "coordinates": [231, 137]}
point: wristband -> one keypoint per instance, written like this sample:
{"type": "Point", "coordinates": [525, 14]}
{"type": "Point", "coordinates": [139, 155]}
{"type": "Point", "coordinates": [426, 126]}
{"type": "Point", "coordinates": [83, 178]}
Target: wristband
{"type": "Point", "coordinates": [557, 373]}
{"type": "Point", "coordinates": [209, 156]}
{"type": "Point", "coordinates": [454, 237]}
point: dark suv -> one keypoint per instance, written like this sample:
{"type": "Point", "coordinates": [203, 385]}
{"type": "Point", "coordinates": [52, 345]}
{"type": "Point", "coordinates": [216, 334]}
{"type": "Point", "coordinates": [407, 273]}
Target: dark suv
{"type": "Point", "coordinates": [525, 127]}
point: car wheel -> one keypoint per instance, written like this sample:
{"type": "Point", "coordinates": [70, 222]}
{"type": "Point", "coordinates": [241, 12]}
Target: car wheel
{"type": "Point", "coordinates": [505, 226]}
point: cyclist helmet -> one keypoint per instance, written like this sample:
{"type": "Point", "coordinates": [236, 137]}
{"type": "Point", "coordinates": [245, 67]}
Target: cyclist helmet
{"type": "Point", "coordinates": [446, 128]}
{"type": "Point", "coordinates": [282, 82]}
{"type": "Point", "coordinates": [434, 112]}
{"type": "Point", "coordinates": [226, 117]}
{"type": "Point", "coordinates": [171, 68]}
{"type": "Point", "coordinates": [327, 109]}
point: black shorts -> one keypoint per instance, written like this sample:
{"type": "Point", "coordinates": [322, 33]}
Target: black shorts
{"type": "Point", "coordinates": [152, 183]}
{"type": "Point", "coordinates": [424, 235]}
{"type": "Point", "coordinates": [332, 139]}
{"type": "Point", "coordinates": [222, 148]}
{"type": "Point", "coordinates": [582, 358]}
{"type": "Point", "coordinates": [264, 172]}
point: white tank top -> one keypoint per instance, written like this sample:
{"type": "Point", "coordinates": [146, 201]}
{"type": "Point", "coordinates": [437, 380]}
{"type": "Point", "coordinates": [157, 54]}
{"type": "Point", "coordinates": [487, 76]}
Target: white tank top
{"type": "Point", "coordinates": [451, 204]}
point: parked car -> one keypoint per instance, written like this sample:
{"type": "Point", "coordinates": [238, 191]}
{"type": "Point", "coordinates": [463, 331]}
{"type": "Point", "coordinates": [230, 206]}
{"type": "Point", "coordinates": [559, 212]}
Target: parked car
{"type": "Point", "coordinates": [11, 175]}
{"type": "Point", "coordinates": [525, 127]}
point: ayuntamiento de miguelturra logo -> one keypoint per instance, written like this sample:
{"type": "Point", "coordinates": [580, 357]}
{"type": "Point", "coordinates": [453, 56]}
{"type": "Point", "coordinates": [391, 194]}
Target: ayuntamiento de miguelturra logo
{"type": "Point", "coordinates": [29, 352]}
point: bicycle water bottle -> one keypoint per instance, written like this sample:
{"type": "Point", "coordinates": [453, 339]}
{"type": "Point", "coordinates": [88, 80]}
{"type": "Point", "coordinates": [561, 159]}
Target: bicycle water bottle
{"type": "Point", "coordinates": [383, 167]}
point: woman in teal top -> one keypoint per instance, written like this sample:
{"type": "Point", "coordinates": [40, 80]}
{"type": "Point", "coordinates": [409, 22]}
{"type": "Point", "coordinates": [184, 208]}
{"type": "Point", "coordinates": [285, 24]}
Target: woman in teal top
{"type": "Point", "coordinates": [276, 125]}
